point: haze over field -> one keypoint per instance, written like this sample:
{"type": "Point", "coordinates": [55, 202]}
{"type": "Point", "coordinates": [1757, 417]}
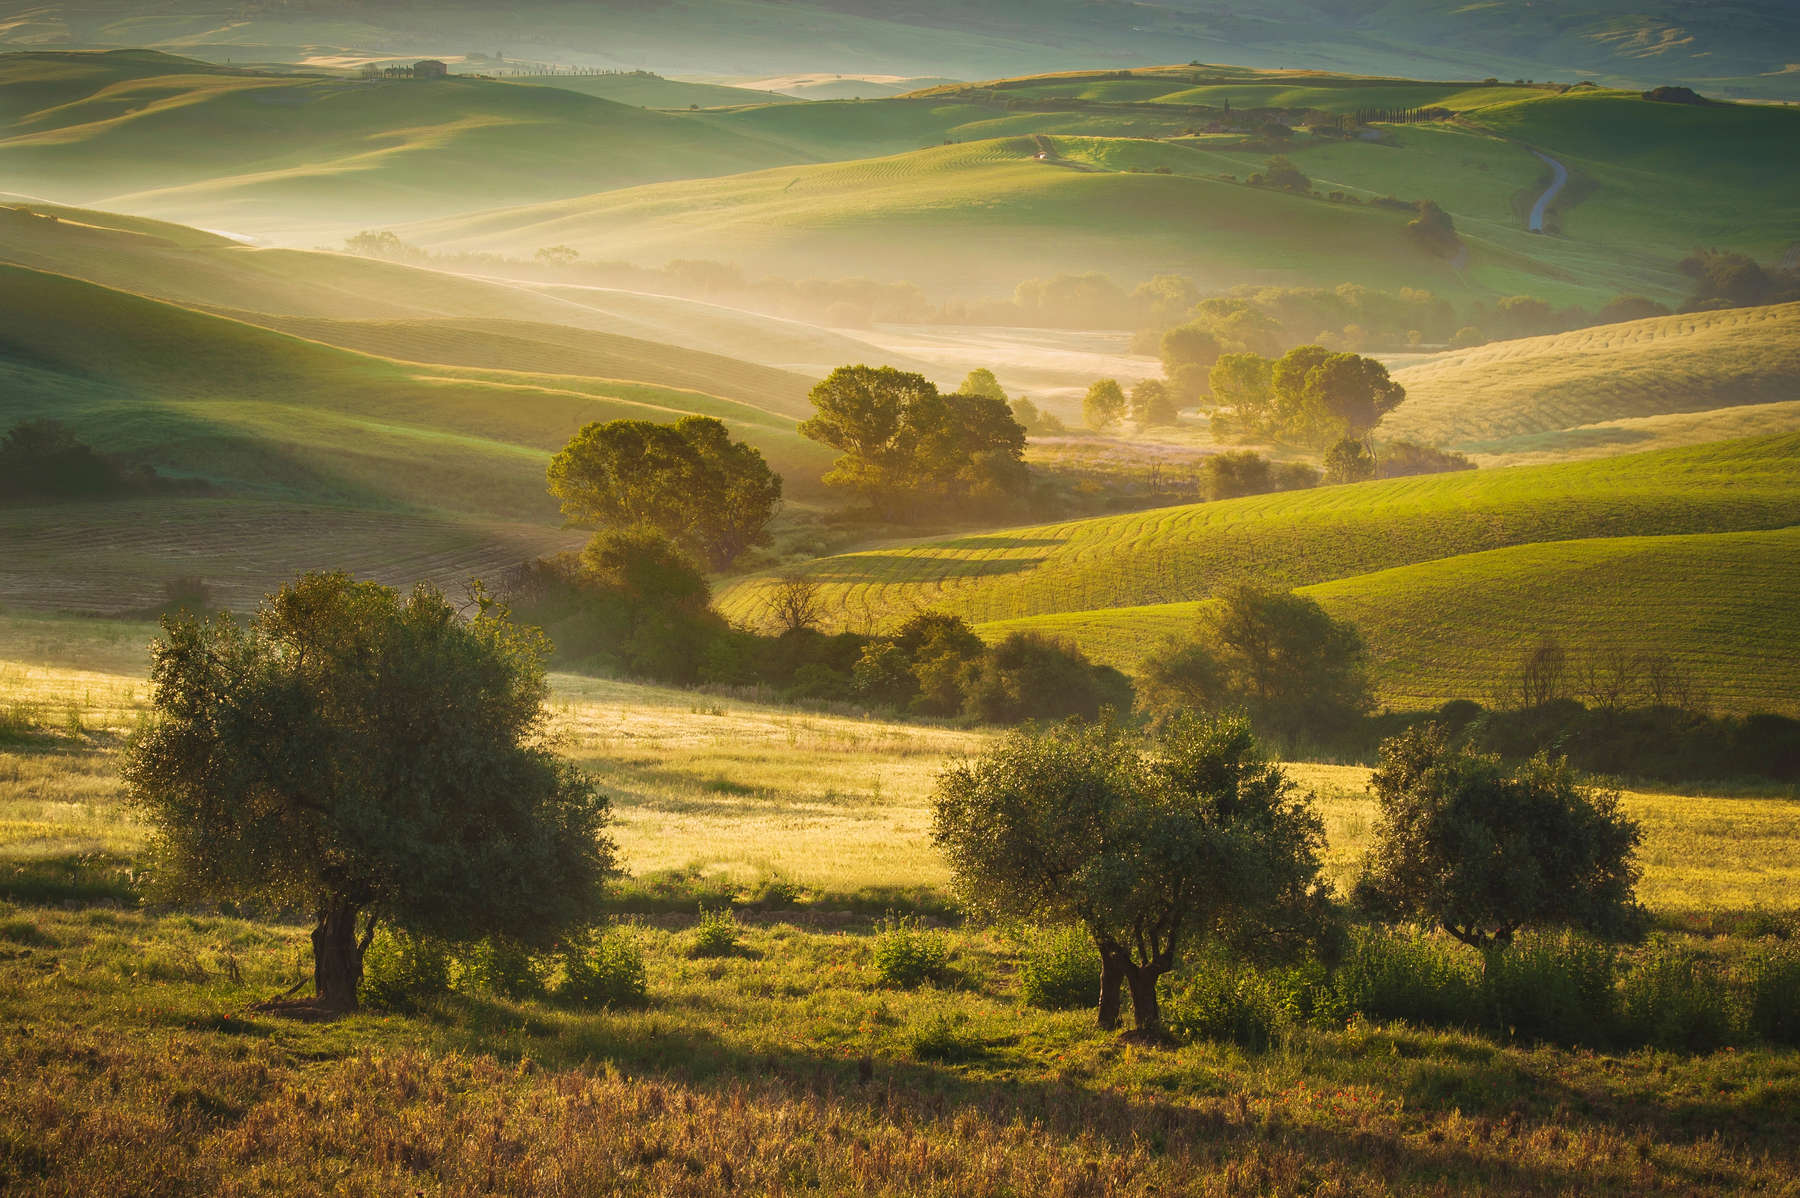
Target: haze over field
{"type": "Point", "coordinates": [1068, 597]}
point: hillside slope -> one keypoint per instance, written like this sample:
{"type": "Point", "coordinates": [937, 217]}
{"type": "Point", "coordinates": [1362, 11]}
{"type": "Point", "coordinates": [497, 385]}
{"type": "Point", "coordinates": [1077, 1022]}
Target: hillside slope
{"type": "Point", "coordinates": [972, 218]}
{"type": "Point", "coordinates": [1600, 389]}
{"type": "Point", "coordinates": [1299, 538]}
{"type": "Point", "coordinates": [296, 156]}
{"type": "Point", "coordinates": [1723, 606]}
{"type": "Point", "coordinates": [336, 456]}
{"type": "Point", "coordinates": [1645, 41]}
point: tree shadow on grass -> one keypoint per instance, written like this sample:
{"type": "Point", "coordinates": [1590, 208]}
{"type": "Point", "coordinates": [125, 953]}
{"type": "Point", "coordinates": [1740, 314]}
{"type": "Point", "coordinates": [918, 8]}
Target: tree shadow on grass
{"type": "Point", "coordinates": [1211, 1132]}
{"type": "Point", "coordinates": [71, 879]}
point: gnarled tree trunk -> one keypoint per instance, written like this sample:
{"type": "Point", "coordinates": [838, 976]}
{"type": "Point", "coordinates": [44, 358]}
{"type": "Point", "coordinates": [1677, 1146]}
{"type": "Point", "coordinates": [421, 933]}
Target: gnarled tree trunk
{"type": "Point", "coordinates": [1146, 1013]}
{"type": "Point", "coordinates": [338, 957]}
{"type": "Point", "coordinates": [1113, 960]}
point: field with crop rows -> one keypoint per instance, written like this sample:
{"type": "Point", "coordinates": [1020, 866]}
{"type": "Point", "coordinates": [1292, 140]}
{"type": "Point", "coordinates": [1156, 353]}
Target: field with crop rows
{"type": "Point", "coordinates": [1535, 394]}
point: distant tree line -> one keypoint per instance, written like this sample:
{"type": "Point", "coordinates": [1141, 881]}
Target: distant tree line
{"type": "Point", "coordinates": [44, 459]}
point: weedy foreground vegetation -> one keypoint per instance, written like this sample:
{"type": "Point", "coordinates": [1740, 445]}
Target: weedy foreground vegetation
{"type": "Point", "coordinates": [825, 1048]}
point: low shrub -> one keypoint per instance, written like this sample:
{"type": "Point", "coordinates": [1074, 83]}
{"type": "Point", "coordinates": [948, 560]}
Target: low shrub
{"type": "Point", "coordinates": [907, 955]}
{"type": "Point", "coordinates": [1059, 969]}
{"type": "Point", "coordinates": [501, 968]}
{"type": "Point", "coordinates": [1773, 976]}
{"type": "Point", "coordinates": [402, 973]}
{"type": "Point", "coordinates": [1672, 998]}
{"type": "Point", "coordinates": [1220, 1002]}
{"type": "Point", "coordinates": [1556, 987]}
{"type": "Point", "coordinates": [716, 935]}
{"type": "Point", "coordinates": [1409, 976]}
{"type": "Point", "coordinates": [945, 1035]}
{"type": "Point", "coordinates": [602, 969]}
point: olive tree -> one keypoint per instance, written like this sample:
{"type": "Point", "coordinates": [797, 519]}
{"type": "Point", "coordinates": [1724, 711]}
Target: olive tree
{"type": "Point", "coordinates": [712, 496]}
{"type": "Point", "coordinates": [1482, 849]}
{"type": "Point", "coordinates": [365, 757]}
{"type": "Point", "coordinates": [1150, 846]}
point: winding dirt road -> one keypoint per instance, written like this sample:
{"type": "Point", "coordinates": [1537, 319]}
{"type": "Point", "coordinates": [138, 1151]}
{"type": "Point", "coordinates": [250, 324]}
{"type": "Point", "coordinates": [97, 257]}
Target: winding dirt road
{"type": "Point", "coordinates": [1557, 183]}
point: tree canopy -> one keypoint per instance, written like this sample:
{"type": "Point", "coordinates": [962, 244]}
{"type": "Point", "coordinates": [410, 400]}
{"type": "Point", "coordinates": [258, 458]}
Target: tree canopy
{"type": "Point", "coordinates": [1149, 846]}
{"type": "Point", "coordinates": [1298, 673]}
{"type": "Point", "coordinates": [903, 443]}
{"type": "Point", "coordinates": [362, 756]}
{"type": "Point", "coordinates": [1483, 849]}
{"type": "Point", "coordinates": [1310, 395]}
{"type": "Point", "coordinates": [1104, 404]}
{"type": "Point", "coordinates": [689, 480]}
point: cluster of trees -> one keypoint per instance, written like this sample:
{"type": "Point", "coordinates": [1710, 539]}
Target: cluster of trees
{"type": "Point", "coordinates": [1310, 395]}
{"type": "Point", "coordinates": [1724, 279]}
{"type": "Point", "coordinates": [1191, 333]}
{"type": "Point", "coordinates": [631, 603]}
{"type": "Point", "coordinates": [1192, 836]}
{"type": "Point", "coordinates": [908, 450]}
{"type": "Point", "coordinates": [935, 665]}
{"type": "Point", "coordinates": [710, 495]}
{"type": "Point", "coordinates": [44, 459]}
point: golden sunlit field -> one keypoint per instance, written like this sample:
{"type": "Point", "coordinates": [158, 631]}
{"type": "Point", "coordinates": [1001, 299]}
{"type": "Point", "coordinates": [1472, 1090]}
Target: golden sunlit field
{"type": "Point", "coordinates": [1042, 598]}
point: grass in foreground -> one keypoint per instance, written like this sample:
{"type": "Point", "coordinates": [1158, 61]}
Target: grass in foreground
{"type": "Point", "coordinates": [134, 1061]}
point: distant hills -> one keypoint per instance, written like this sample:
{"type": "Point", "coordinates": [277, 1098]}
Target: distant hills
{"type": "Point", "coordinates": [1745, 46]}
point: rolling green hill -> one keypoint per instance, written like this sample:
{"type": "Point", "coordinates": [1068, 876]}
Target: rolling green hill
{"type": "Point", "coordinates": [973, 218]}
{"type": "Point", "coordinates": [1692, 551]}
{"type": "Point", "coordinates": [644, 90]}
{"type": "Point", "coordinates": [1643, 197]}
{"type": "Point", "coordinates": [1721, 605]}
{"type": "Point", "coordinates": [318, 454]}
{"type": "Point", "coordinates": [1299, 538]}
{"type": "Point", "coordinates": [196, 269]}
{"type": "Point", "coordinates": [1601, 389]}
{"type": "Point", "coordinates": [298, 156]}
{"type": "Point", "coordinates": [1745, 44]}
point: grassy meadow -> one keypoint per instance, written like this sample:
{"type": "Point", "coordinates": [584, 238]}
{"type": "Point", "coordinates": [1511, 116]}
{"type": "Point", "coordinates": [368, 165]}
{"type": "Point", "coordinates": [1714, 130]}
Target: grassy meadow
{"type": "Point", "coordinates": [787, 1066]}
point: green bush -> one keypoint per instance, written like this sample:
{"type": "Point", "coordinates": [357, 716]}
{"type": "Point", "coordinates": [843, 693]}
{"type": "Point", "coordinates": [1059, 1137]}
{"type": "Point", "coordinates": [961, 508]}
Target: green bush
{"type": "Point", "coordinates": [907, 955]}
{"type": "Point", "coordinates": [1222, 1002]}
{"type": "Point", "coordinates": [1556, 987]}
{"type": "Point", "coordinates": [502, 968]}
{"type": "Point", "coordinates": [945, 1036]}
{"type": "Point", "coordinates": [402, 973]}
{"type": "Point", "coordinates": [1774, 993]}
{"type": "Point", "coordinates": [604, 969]}
{"type": "Point", "coordinates": [1412, 977]}
{"type": "Point", "coordinates": [1060, 969]}
{"type": "Point", "coordinates": [1672, 998]}
{"type": "Point", "coordinates": [716, 935]}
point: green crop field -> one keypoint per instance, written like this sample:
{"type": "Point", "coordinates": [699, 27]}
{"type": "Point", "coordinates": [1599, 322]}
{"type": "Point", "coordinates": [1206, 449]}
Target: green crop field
{"type": "Point", "coordinates": [1544, 395]}
{"type": "Point", "coordinates": [1618, 528]}
{"type": "Point", "coordinates": [1722, 606]}
{"type": "Point", "coordinates": [1297, 538]}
